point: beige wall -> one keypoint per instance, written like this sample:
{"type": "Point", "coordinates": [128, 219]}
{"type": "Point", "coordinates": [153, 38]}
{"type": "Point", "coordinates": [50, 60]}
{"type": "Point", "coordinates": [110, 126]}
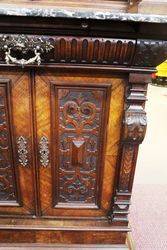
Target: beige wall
{"type": "Point", "coordinates": [153, 7]}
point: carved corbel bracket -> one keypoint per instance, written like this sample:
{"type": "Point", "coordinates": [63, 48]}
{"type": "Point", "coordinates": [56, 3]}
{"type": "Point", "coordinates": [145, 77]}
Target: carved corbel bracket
{"type": "Point", "coordinates": [135, 123]}
{"type": "Point", "coordinates": [133, 132]}
{"type": "Point", "coordinates": [135, 120]}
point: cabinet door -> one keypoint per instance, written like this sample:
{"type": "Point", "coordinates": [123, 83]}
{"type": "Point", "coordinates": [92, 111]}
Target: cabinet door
{"type": "Point", "coordinates": [16, 163]}
{"type": "Point", "coordinates": [78, 131]}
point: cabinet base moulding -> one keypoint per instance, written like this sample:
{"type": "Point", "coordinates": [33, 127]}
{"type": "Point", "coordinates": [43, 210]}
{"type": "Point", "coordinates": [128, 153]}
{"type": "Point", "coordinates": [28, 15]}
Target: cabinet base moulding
{"type": "Point", "coordinates": [63, 247]}
{"type": "Point", "coordinates": [29, 246]}
{"type": "Point", "coordinates": [44, 231]}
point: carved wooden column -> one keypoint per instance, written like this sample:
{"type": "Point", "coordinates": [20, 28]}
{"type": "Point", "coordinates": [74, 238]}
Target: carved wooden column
{"type": "Point", "coordinates": [133, 132]}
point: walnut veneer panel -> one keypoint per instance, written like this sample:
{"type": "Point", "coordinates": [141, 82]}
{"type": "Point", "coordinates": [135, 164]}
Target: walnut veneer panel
{"type": "Point", "coordinates": [19, 114]}
{"type": "Point", "coordinates": [65, 237]}
{"type": "Point", "coordinates": [44, 83]}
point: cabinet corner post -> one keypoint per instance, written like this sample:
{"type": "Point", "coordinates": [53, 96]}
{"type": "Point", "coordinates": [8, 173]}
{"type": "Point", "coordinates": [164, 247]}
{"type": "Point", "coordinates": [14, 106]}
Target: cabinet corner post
{"type": "Point", "coordinates": [133, 132]}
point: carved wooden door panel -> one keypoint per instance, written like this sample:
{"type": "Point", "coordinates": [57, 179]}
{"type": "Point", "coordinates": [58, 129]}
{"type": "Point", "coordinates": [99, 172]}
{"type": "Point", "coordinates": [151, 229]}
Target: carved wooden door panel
{"type": "Point", "coordinates": [78, 131]}
{"type": "Point", "coordinates": [16, 163]}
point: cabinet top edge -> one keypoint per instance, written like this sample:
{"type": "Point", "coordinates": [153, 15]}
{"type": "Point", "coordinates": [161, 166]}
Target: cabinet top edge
{"type": "Point", "coordinates": [78, 13]}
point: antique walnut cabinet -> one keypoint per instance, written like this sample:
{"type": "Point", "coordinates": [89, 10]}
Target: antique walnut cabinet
{"type": "Point", "coordinates": [73, 83]}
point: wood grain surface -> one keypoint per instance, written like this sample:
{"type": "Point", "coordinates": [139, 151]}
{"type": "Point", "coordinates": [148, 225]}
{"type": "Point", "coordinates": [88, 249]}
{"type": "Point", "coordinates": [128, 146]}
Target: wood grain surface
{"type": "Point", "coordinates": [21, 125]}
{"type": "Point", "coordinates": [44, 110]}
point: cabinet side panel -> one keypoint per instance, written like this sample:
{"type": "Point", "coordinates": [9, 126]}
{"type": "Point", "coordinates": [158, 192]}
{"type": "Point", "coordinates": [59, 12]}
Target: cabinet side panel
{"type": "Point", "coordinates": [113, 140]}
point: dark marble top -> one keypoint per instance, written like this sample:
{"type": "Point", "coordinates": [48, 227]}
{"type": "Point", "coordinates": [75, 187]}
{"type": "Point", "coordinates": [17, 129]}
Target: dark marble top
{"type": "Point", "coordinates": [14, 10]}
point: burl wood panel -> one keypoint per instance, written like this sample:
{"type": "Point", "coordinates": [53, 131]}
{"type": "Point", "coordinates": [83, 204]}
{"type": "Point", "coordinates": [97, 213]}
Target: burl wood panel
{"type": "Point", "coordinates": [20, 125]}
{"type": "Point", "coordinates": [44, 85]}
{"type": "Point", "coordinates": [62, 237]}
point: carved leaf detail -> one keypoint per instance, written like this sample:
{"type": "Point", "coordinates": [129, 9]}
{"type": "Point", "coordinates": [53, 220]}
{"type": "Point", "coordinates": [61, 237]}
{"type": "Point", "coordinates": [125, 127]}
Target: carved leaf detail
{"type": "Point", "coordinates": [135, 124]}
{"type": "Point", "coordinates": [126, 167]}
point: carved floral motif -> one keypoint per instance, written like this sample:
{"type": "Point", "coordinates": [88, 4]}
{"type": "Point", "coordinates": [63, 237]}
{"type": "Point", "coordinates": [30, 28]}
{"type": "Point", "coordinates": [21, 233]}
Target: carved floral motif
{"type": "Point", "coordinates": [135, 124]}
{"type": "Point", "coordinates": [125, 172]}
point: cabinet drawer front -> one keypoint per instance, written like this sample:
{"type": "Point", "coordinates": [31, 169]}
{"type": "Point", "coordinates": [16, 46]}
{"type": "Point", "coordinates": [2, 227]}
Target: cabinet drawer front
{"type": "Point", "coordinates": [24, 49]}
{"type": "Point", "coordinates": [16, 163]}
{"type": "Point", "coordinates": [82, 125]}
